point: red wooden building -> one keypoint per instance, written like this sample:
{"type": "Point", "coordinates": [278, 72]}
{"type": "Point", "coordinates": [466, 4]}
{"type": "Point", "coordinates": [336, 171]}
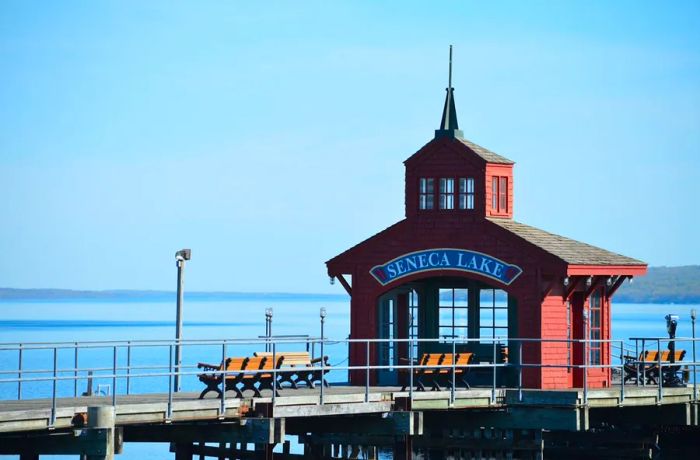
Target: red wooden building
{"type": "Point", "coordinates": [458, 265]}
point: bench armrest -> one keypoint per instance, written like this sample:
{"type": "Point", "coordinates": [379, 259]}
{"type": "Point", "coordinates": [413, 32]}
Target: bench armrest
{"type": "Point", "coordinates": [209, 367]}
{"type": "Point", "coordinates": [319, 359]}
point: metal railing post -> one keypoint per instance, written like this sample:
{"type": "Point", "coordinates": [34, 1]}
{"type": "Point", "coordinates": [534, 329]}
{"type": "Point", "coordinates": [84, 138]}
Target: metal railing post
{"type": "Point", "coordinates": [53, 392]}
{"type": "Point", "coordinates": [410, 373]}
{"type": "Point", "coordinates": [661, 371]}
{"type": "Point", "coordinates": [520, 371]}
{"type": "Point", "coordinates": [75, 371]}
{"type": "Point", "coordinates": [222, 409]}
{"type": "Point", "coordinates": [367, 372]}
{"type": "Point", "coordinates": [323, 376]}
{"type": "Point", "coordinates": [274, 375]}
{"type": "Point", "coordinates": [169, 414]}
{"type": "Point", "coordinates": [622, 371]}
{"type": "Point", "coordinates": [493, 388]}
{"type": "Point", "coordinates": [128, 367]}
{"type": "Point", "coordinates": [643, 364]}
{"type": "Point", "coordinates": [636, 358]}
{"type": "Point", "coordinates": [695, 371]}
{"type": "Point", "coordinates": [586, 345]}
{"type": "Point", "coordinates": [114, 377]}
{"type": "Point", "coordinates": [19, 373]}
{"type": "Point", "coordinates": [454, 372]}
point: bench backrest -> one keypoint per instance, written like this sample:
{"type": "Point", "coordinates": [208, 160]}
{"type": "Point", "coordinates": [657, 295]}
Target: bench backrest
{"type": "Point", "coordinates": [464, 358]}
{"type": "Point", "coordinates": [288, 358]}
{"type": "Point", "coordinates": [255, 363]}
{"type": "Point", "coordinates": [433, 359]}
{"type": "Point", "coordinates": [653, 356]}
{"type": "Point", "coordinates": [678, 355]}
{"type": "Point", "coordinates": [234, 364]}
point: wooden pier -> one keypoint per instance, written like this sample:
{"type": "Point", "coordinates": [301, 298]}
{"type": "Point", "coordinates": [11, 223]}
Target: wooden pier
{"type": "Point", "coordinates": [507, 420]}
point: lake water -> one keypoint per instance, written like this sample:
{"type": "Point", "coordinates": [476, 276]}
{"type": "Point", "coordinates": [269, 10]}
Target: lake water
{"type": "Point", "coordinates": [28, 322]}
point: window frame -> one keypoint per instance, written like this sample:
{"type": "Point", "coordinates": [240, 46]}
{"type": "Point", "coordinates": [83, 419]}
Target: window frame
{"type": "Point", "coordinates": [426, 193]}
{"type": "Point", "coordinates": [466, 198]}
{"type": "Point", "coordinates": [446, 195]}
{"type": "Point", "coordinates": [445, 305]}
{"type": "Point", "coordinates": [499, 194]}
{"type": "Point", "coordinates": [595, 327]}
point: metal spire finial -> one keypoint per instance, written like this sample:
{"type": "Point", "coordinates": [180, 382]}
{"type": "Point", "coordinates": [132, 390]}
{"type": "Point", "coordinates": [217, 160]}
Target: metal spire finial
{"type": "Point", "coordinates": [448, 125]}
{"type": "Point", "coordinates": [449, 80]}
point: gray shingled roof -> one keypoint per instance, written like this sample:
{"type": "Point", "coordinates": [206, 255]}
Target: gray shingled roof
{"type": "Point", "coordinates": [570, 251]}
{"type": "Point", "coordinates": [486, 154]}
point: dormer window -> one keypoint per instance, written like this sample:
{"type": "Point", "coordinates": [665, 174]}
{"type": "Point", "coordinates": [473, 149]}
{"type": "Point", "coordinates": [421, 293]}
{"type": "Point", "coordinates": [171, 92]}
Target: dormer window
{"type": "Point", "coordinates": [466, 193]}
{"type": "Point", "coordinates": [499, 194]}
{"type": "Point", "coordinates": [447, 193]}
{"type": "Point", "coordinates": [426, 193]}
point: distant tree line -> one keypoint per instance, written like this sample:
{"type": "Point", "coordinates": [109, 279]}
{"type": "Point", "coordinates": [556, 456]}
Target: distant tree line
{"type": "Point", "coordinates": [660, 285]}
{"type": "Point", "coordinates": [663, 285]}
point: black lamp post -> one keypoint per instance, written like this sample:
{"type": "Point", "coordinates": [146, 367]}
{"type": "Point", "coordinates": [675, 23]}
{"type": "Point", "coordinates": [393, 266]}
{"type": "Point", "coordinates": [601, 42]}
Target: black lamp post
{"type": "Point", "coordinates": [180, 257]}
{"type": "Point", "coordinates": [268, 327]}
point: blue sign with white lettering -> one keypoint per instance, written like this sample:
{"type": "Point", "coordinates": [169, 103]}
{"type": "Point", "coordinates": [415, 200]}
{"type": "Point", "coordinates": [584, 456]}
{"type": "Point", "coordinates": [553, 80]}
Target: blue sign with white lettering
{"type": "Point", "coordinates": [446, 259]}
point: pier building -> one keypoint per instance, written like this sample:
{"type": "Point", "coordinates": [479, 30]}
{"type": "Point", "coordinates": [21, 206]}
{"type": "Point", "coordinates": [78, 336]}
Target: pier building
{"type": "Point", "coordinates": [459, 265]}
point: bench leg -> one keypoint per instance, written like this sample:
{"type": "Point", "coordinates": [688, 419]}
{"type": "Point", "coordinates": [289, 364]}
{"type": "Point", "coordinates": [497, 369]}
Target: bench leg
{"type": "Point", "coordinates": [207, 390]}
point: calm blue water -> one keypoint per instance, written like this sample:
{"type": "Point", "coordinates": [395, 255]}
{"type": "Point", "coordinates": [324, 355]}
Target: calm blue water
{"type": "Point", "coordinates": [28, 322]}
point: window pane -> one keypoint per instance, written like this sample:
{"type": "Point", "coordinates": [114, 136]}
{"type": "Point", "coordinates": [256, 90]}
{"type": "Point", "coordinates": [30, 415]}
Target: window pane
{"type": "Point", "coordinates": [462, 201]}
{"type": "Point", "coordinates": [462, 185]}
{"type": "Point", "coordinates": [470, 201]}
{"type": "Point", "coordinates": [450, 203]}
{"type": "Point", "coordinates": [430, 203]}
{"type": "Point", "coordinates": [461, 318]}
{"type": "Point", "coordinates": [470, 185]}
{"type": "Point", "coordinates": [461, 297]}
{"type": "Point", "coordinates": [494, 193]}
{"type": "Point", "coordinates": [421, 186]}
{"type": "Point", "coordinates": [503, 191]}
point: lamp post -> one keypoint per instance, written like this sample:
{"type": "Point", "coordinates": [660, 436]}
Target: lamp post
{"type": "Point", "coordinates": [180, 257]}
{"type": "Point", "coordinates": [693, 317]}
{"type": "Point", "coordinates": [268, 327]}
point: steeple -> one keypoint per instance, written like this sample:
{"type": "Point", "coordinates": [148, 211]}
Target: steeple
{"type": "Point", "coordinates": [448, 125]}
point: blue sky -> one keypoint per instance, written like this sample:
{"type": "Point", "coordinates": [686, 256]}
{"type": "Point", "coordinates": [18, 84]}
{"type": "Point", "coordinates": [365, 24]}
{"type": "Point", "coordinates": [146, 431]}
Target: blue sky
{"type": "Point", "coordinates": [270, 138]}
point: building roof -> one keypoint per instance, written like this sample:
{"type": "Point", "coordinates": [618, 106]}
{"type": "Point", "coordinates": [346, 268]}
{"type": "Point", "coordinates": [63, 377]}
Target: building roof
{"type": "Point", "coordinates": [486, 154]}
{"type": "Point", "coordinates": [570, 251]}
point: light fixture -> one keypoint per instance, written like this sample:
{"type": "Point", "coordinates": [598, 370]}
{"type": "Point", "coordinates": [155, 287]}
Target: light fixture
{"type": "Point", "coordinates": [693, 314]}
{"type": "Point", "coordinates": [268, 312]}
{"type": "Point", "coordinates": [322, 312]}
{"type": "Point", "coordinates": [589, 281]}
{"type": "Point", "coordinates": [609, 281]}
{"type": "Point", "coordinates": [332, 280]}
{"type": "Point", "coordinates": [566, 281]}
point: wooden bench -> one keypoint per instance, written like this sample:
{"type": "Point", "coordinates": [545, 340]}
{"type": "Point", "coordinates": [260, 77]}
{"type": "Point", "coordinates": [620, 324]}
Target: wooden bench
{"type": "Point", "coordinates": [239, 371]}
{"type": "Point", "coordinates": [669, 372]}
{"type": "Point", "coordinates": [298, 367]}
{"type": "Point", "coordinates": [647, 366]}
{"type": "Point", "coordinates": [428, 370]}
{"type": "Point", "coordinates": [212, 378]}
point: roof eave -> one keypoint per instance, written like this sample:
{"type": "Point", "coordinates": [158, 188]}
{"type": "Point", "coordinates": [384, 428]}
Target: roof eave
{"type": "Point", "coordinates": [598, 270]}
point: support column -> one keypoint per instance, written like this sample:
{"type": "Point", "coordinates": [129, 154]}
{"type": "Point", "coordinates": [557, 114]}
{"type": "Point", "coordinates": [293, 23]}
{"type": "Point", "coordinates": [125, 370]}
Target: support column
{"type": "Point", "coordinates": [102, 417]}
{"type": "Point", "coordinates": [403, 448]}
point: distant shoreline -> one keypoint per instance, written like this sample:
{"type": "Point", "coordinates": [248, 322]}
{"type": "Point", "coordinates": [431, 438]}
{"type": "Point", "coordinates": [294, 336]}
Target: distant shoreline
{"type": "Point", "coordinates": [662, 285]}
{"type": "Point", "coordinates": [125, 295]}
